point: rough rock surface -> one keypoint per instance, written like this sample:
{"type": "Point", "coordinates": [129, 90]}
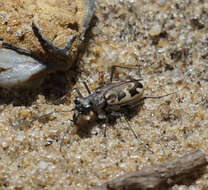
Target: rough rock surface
{"type": "Point", "coordinates": [58, 20]}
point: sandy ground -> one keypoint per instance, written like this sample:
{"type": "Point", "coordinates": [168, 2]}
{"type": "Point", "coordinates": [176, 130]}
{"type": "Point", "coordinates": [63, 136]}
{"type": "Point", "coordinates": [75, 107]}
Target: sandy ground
{"type": "Point", "coordinates": [169, 41]}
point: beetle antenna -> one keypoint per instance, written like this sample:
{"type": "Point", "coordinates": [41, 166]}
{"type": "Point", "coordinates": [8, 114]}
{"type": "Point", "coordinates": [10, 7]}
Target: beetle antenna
{"type": "Point", "coordinates": [157, 97]}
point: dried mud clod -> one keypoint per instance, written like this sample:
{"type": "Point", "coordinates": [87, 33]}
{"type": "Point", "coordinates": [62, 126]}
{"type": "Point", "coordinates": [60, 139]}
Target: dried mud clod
{"type": "Point", "coordinates": [50, 32]}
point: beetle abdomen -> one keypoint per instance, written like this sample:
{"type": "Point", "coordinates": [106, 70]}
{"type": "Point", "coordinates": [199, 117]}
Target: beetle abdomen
{"type": "Point", "coordinates": [123, 93]}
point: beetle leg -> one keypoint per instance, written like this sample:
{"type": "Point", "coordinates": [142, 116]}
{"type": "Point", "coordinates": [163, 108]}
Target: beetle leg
{"type": "Point", "coordinates": [137, 137]}
{"type": "Point", "coordinates": [113, 68]}
{"type": "Point", "coordinates": [105, 131]}
{"type": "Point", "coordinates": [48, 46]}
{"type": "Point", "coordinates": [87, 88]}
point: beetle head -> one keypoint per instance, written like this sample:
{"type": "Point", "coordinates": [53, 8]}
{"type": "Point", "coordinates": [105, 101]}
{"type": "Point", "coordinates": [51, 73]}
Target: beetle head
{"type": "Point", "coordinates": [83, 105]}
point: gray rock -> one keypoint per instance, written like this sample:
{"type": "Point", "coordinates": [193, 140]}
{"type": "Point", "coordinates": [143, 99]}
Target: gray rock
{"type": "Point", "coordinates": [18, 70]}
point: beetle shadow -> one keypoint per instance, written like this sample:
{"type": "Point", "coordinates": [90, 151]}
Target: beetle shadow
{"type": "Point", "coordinates": [84, 131]}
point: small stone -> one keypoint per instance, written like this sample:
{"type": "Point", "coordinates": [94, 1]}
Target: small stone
{"type": "Point", "coordinates": [43, 165]}
{"type": "Point", "coordinates": [155, 30]}
{"type": "Point", "coordinates": [20, 136]}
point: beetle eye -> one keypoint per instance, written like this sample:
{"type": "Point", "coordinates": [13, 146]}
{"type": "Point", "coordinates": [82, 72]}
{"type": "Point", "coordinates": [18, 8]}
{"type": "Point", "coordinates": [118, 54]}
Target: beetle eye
{"type": "Point", "coordinates": [76, 101]}
{"type": "Point", "coordinates": [140, 85]}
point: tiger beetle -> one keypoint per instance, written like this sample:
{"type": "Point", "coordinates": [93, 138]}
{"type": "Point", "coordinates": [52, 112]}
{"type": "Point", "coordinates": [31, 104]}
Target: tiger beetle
{"type": "Point", "coordinates": [113, 100]}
